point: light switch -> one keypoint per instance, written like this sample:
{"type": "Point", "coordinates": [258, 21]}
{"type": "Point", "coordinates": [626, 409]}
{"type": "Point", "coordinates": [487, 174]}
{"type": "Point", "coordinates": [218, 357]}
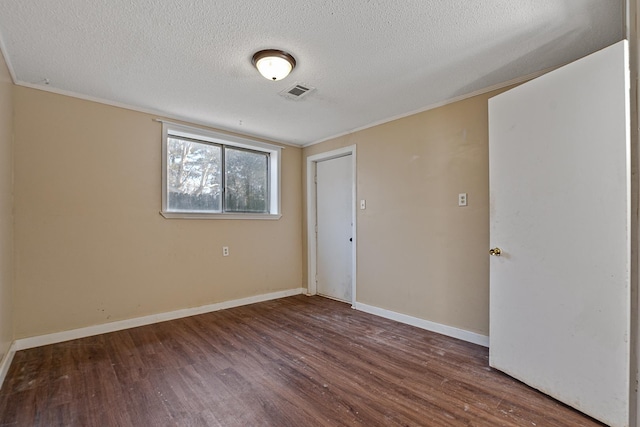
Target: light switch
{"type": "Point", "coordinates": [363, 204]}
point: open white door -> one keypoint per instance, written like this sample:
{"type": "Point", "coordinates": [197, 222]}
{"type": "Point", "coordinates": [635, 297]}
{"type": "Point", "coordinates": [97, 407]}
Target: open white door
{"type": "Point", "coordinates": [560, 213]}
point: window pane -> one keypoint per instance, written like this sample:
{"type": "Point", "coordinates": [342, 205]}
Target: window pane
{"type": "Point", "coordinates": [194, 176]}
{"type": "Point", "coordinates": [246, 181]}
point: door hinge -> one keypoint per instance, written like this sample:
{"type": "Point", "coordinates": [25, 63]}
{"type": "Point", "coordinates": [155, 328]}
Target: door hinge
{"type": "Point", "coordinates": [316, 228]}
{"type": "Point", "coordinates": [315, 179]}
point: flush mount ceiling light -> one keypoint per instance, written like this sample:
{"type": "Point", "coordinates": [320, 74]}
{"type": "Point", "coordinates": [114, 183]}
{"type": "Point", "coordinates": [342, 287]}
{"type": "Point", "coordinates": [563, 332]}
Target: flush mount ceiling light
{"type": "Point", "coordinates": [274, 64]}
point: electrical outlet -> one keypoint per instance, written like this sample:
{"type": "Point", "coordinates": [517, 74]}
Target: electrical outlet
{"type": "Point", "coordinates": [462, 199]}
{"type": "Point", "coordinates": [225, 251]}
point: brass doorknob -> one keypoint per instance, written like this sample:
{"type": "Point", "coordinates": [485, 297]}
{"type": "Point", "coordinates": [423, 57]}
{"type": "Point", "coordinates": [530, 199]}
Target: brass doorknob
{"type": "Point", "coordinates": [495, 252]}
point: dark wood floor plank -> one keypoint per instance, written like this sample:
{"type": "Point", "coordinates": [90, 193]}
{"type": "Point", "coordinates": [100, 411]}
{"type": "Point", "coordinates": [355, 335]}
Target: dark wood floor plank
{"type": "Point", "coordinates": [298, 361]}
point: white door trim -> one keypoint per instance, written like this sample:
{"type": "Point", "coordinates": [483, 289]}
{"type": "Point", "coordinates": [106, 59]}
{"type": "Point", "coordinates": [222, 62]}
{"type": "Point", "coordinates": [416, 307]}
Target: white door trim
{"type": "Point", "coordinates": [312, 267]}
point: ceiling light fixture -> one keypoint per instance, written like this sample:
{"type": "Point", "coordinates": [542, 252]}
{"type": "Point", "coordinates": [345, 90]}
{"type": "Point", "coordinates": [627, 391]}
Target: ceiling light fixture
{"type": "Point", "coordinates": [273, 64]}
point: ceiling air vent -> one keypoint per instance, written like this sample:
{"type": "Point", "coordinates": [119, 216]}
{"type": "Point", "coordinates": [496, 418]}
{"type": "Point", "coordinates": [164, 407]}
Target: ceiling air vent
{"type": "Point", "coordinates": [297, 91]}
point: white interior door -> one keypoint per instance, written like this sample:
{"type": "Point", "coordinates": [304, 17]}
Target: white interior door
{"type": "Point", "coordinates": [560, 213]}
{"type": "Point", "coordinates": [334, 238]}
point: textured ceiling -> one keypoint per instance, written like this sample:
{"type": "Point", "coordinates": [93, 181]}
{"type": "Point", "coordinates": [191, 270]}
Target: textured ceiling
{"type": "Point", "coordinates": [370, 60]}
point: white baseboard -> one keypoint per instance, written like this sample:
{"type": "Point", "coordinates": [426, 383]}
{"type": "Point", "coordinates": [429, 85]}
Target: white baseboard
{"type": "Point", "coordinates": [449, 331]}
{"type": "Point", "coordinates": [31, 342]}
{"type": "Point", "coordinates": [6, 362]}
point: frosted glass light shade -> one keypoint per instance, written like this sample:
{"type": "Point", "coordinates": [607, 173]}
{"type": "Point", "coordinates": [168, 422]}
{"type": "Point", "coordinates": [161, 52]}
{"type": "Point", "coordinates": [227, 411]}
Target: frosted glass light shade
{"type": "Point", "coordinates": [273, 67]}
{"type": "Point", "coordinates": [274, 64]}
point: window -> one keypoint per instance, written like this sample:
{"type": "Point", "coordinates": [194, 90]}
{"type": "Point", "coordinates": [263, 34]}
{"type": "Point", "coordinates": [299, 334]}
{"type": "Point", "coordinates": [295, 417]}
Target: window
{"type": "Point", "coordinates": [212, 175]}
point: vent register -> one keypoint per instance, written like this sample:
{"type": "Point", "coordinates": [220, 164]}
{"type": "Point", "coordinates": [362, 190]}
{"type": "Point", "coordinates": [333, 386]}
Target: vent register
{"type": "Point", "coordinates": [297, 91]}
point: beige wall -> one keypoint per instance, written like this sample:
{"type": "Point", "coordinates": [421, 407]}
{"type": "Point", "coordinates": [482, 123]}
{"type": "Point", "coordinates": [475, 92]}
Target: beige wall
{"type": "Point", "coordinates": [90, 245]}
{"type": "Point", "coordinates": [91, 248]}
{"type": "Point", "coordinates": [6, 209]}
{"type": "Point", "coordinates": [418, 252]}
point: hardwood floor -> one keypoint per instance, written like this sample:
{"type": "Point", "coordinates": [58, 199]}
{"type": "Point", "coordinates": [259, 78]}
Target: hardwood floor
{"type": "Point", "coordinates": [298, 361]}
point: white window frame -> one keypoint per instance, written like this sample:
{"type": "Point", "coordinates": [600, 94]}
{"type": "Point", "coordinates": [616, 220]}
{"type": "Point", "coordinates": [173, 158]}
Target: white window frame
{"type": "Point", "coordinates": [275, 154]}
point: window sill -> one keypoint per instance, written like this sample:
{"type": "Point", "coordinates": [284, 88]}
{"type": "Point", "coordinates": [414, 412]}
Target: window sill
{"type": "Point", "coordinates": [187, 215]}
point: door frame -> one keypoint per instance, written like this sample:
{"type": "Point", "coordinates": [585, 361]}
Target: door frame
{"type": "Point", "coordinates": [312, 267]}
